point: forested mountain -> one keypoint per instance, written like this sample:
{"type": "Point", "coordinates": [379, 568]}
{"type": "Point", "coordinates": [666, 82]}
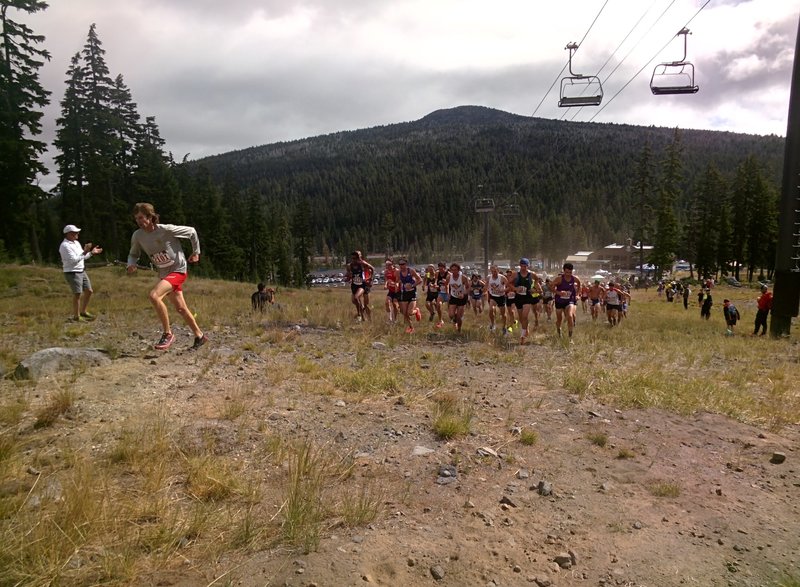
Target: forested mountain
{"type": "Point", "coordinates": [411, 186]}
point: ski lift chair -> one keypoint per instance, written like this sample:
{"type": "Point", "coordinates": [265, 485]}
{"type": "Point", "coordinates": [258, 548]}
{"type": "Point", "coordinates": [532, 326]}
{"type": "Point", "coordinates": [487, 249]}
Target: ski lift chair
{"type": "Point", "coordinates": [484, 205]}
{"type": "Point", "coordinates": [675, 77]}
{"type": "Point", "coordinates": [577, 89]}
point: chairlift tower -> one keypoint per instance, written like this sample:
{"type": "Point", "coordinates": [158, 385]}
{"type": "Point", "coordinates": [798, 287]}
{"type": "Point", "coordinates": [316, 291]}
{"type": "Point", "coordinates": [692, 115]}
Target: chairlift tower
{"type": "Point", "coordinates": [786, 303]}
{"type": "Point", "coordinates": [507, 205]}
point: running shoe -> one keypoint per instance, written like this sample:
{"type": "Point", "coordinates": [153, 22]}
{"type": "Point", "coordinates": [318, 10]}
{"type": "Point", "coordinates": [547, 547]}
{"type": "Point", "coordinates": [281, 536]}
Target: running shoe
{"type": "Point", "coordinates": [78, 319]}
{"type": "Point", "coordinates": [87, 316]}
{"type": "Point", "coordinates": [165, 342]}
{"type": "Point", "coordinates": [417, 314]}
{"type": "Point", "coordinates": [439, 324]}
{"type": "Point", "coordinates": [198, 342]}
{"type": "Point", "coordinates": [430, 319]}
{"type": "Point", "coordinates": [409, 330]}
{"type": "Point", "coordinates": [492, 328]}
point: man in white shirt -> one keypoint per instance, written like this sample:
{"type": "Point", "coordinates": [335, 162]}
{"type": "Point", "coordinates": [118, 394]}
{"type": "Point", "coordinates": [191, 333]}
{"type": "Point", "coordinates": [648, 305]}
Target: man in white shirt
{"type": "Point", "coordinates": [73, 256]}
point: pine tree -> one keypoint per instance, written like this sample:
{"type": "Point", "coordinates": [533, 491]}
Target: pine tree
{"type": "Point", "coordinates": [762, 233]}
{"type": "Point", "coordinates": [643, 199]}
{"type": "Point", "coordinates": [21, 99]}
{"type": "Point", "coordinates": [303, 233]}
{"type": "Point", "coordinates": [667, 231]}
{"type": "Point", "coordinates": [283, 250]}
{"type": "Point", "coordinates": [705, 227]}
{"type": "Point", "coordinates": [71, 141]}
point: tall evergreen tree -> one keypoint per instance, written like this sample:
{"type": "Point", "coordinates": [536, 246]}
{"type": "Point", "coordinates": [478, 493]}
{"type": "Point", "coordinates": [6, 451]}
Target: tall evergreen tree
{"type": "Point", "coordinates": [762, 233]}
{"type": "Point", "coordinates": [303, 233]}
{"type": "Point", "coordinates": [643, 200]}
{"type": "Point", "coordinates": [706, 226]}
{"type": "Point", "coordinates": [21, 99]}
{"type": "Point", "coordinates": [667, 231]}
{"type": "Point", "coordinates": [71, 142]}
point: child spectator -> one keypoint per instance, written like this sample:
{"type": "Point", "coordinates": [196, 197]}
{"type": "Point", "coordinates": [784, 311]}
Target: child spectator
{"type": "Point", "coordinates": [731, 315]}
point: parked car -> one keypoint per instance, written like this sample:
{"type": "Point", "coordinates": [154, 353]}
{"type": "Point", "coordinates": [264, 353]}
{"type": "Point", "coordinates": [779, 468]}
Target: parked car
{"type": "Point", "coordinates": [732, 281]}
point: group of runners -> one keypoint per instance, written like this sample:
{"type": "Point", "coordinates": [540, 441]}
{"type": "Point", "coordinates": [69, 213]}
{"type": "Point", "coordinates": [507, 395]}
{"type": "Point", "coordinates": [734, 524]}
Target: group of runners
{"type": "Point", "coordinates": [513, 297]}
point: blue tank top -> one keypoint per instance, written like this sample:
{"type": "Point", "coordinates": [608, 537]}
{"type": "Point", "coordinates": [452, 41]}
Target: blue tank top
{"type": "Point", "coordinates": [407, 279]}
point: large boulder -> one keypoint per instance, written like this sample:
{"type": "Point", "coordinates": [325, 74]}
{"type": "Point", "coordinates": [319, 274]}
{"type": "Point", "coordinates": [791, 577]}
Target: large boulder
{"type": "Point", "coordinates": [53, 360]}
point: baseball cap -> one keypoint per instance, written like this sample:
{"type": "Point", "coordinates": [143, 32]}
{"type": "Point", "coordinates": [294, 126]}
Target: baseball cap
{"type": "Point", "coordinates": [71, 228]}
{"type": "Point", "coordinates": [524, 261]}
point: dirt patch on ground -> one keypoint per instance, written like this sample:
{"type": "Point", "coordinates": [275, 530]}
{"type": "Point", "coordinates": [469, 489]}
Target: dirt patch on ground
{"type": "Point", "coordinates": [603, 497]}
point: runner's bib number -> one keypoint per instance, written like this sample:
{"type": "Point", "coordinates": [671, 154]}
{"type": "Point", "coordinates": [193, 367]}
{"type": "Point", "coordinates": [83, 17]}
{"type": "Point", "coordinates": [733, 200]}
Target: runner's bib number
{"type": "Point", "coordinates": [161, 259]}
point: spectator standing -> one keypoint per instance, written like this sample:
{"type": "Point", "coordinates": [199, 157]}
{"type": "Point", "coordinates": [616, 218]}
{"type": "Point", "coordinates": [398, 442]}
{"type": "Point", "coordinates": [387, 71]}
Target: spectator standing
{"type": "Point", "coordinates": [764, 303]}
{"type": "Point", "coordinates": [73, 256]}
{"type": "Point", "coordinates": [706, 303]}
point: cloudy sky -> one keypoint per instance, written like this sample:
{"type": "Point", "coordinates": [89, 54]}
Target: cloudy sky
{"type": "Point", "coordinates": [230, 74]}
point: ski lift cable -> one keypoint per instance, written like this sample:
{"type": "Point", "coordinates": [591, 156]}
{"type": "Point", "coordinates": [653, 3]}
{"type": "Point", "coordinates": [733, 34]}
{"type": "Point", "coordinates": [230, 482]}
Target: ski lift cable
{"type": "Point", "coordinates": [560, 147]}
{"type": "Point", "coordinates": [648, 63]}
{"type": "Point", "coordinates": [558, 77]}
{"type": "Point", "coordinates": [632, 49]}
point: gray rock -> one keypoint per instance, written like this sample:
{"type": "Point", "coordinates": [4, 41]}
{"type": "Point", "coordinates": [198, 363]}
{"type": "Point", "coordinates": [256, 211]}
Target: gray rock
{"type": "Point", "coordinates": [445, 480]}
{"type": "Point", "coordinates": [507, 501]}
{"type": "Point", "coordinates": [563, 560]}
{"type": "Point", "coordinates": [437, 572]}
{"type": "Point", "coordinates": [544, 487]}
{"type": "Point", "coordinates": [777, 458]}
{"type": "Point", "coordinates": [379, 346]}
{"type": "Point", "coordinates": [448, 471]}
{"type": "Point", "coordinates": [542, 581]}
{"type": "Point", "coordinates": [523, 474]}
{"type": "Point", "coordinates": [421, 451]}
{"type": "Point", "coordinates": [573, 557]}
{"type": "Point", "coordinates": [340, 403]}
{"type": "Point", "coordinates": [51, 361]}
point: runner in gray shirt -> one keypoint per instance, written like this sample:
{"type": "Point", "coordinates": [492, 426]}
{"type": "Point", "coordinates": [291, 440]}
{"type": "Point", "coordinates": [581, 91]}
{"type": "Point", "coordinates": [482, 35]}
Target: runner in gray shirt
{"type": "Point", "coordinates": [160, 242]}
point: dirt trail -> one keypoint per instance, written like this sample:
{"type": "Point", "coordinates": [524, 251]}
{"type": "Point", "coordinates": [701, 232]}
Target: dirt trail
{"type": "Point", "coordinates": [734, 521]}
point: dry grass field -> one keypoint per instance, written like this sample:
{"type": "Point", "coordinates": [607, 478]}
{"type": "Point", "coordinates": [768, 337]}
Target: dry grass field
{"type": "Point", "coordinates": [300, 447]}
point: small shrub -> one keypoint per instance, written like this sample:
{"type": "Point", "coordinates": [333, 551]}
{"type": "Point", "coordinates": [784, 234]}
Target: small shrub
{"type": "Point", "coordinates": [528, 437]}
{"type": "Point", "coordinates": [665, 489]}
{"type": "Point", "coordinates": [12, 411]}
{"type": "Point", "coordinates": [625, 453]}
{"type": "Point", "coordinates": [61, 403]}
{"type": "Point", "coordinates": [361, 508]}
{"type": "Point", "coordinates": [303, 512]}
{"type": "Point", "coordinates": [8, 447]}
{"type": "Point", "coordinates": [233, 408]}
{"type": "Point", "coordinates": [598, 438]}
{"type": "Point", "coordinates": [451, 417]}
{"type": "Point", "coordinates": [211, 479]}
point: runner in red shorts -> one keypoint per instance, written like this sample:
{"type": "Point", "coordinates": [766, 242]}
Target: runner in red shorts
{"type": "Point", "coordinates": [160, 242]}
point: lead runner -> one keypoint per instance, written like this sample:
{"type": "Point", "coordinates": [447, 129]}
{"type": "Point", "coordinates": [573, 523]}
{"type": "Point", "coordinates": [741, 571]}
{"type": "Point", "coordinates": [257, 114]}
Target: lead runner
{"type": "Point", "coordinates": [160, 242]}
